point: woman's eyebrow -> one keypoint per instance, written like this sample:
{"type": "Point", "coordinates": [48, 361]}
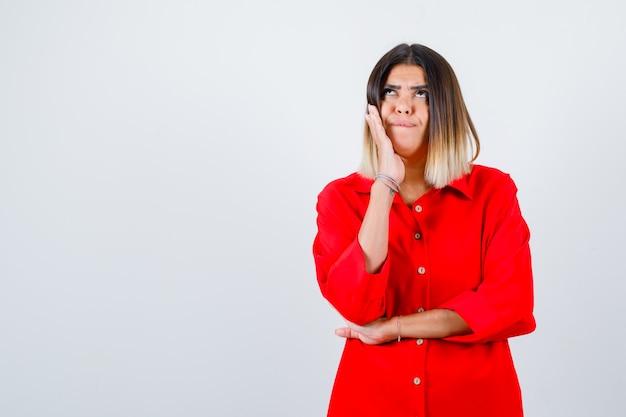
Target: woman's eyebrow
{"type": "Point", "coordinates": [397, 87]}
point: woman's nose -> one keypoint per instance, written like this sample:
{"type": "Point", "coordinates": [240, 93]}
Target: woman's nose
{"type": "Point", "coordinates": [403, 106]}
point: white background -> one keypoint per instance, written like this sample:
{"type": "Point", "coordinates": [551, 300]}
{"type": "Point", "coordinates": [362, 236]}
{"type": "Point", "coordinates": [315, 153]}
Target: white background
{"type": "Point", "coordinates": [159, 168]}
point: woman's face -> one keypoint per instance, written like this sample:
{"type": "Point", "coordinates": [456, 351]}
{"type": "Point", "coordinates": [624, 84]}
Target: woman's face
{"type": "Point", "coordinates": [404, 111]}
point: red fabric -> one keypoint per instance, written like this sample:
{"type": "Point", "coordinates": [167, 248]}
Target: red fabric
{"type": "Point", "coordinates": [474, 248]}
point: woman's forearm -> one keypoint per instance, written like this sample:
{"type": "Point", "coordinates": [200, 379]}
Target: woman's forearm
{"type": "Point", "coordinates": [432, 324]}
{"type": "Point", "coordinates": [374, 233]}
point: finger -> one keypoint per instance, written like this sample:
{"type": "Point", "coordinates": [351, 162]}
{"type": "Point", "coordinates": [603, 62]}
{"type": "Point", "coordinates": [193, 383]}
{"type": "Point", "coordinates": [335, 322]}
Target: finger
{"type": "Point", "coordinates": [346, 332]}
{"type": "Point", "coordinates": [371, 109]}
{"type": "Point", "coordinates": [376, 126]}
{"type": "Point", "coordinates": [373, 117]}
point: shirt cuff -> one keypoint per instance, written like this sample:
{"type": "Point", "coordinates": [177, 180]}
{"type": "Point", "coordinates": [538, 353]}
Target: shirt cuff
{"type": "Point", "coordinates": [482, 318]}
{"type": "Point", "coordinates": [358, 295]}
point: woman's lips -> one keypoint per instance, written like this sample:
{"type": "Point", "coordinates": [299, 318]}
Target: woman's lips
{"type": "Point", "coordinates": [402, 123]}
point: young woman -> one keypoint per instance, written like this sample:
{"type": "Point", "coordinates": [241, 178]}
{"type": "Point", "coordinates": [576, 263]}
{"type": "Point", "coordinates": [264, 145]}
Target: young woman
{"type": "Point", "coordinates": [425, 255]}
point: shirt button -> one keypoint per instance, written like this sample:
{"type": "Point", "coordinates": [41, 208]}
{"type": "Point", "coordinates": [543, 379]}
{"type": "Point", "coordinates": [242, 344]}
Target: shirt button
{"type": "Point", "coordinates": [421, 270]}
{"type": "Point", "coordinates": [420, 310]}
{"type": "Point", "coordinates": [418, 208]}
{"type": "Point", "coordinates": [417, 381]}
{"type": "Point", "coordinates": [418, 236]}
{"type": "Point", "coordinates": [419, 341]}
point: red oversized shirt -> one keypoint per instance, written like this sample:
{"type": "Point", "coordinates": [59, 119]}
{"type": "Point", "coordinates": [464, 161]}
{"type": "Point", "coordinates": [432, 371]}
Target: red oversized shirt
{"type": "Point", "coordinates": [463, 247]}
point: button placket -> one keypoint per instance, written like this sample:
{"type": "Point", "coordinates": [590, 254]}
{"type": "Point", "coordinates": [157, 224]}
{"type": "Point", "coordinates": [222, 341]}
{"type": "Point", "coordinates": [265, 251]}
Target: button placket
{"type": "Point", "coordinates": [421, 273]}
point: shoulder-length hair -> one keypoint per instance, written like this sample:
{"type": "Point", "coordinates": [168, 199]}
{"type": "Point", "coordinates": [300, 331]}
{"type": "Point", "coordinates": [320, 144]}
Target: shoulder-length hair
{"type": "Point", "coordinates": [453, 143]}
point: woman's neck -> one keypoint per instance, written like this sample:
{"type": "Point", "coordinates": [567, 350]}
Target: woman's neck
{"type": "Point", "coordinates": [414, 185]}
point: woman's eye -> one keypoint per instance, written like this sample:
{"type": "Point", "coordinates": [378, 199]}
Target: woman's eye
{"type": "Point", "coordinates": [421, 94]}
{"type": "Point", "coordinates": [388, 92]}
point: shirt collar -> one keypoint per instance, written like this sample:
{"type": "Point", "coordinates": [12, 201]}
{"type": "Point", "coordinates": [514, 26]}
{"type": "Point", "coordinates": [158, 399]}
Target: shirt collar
{"type": "Point", "coordinates": [462, 186]}
{"type": "Point", "coordinates": [363, 184]}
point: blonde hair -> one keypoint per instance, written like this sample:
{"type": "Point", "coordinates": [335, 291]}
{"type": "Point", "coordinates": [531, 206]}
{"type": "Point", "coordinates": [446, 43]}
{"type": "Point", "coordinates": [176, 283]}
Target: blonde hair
{"type": "Point", "coordinates": [453, 143]}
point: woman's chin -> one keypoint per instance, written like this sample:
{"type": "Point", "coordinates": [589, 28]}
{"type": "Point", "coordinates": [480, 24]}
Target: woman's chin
{"type": "Point", "coordinates": [409, 153]}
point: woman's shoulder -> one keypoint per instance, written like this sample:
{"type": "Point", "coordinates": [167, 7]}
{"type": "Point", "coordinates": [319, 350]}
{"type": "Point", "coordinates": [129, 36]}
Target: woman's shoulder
{"type": "Point", "coordinates": [485, 174]}
{"type": "Point", "coordinates": [488, 179]}
{"type": "Point", "coordinates": [484, 171]}
{"type": "Point", "coordinates": [355, 182]}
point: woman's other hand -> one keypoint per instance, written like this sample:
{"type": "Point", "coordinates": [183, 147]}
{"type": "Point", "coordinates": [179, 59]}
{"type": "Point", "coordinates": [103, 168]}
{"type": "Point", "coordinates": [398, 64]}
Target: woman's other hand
{"type": "Point", "coordinates": [377, 332]}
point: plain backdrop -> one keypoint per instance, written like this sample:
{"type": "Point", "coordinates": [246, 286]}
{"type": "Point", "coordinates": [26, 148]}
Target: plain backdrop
{"type": "Point", "coordinates": [159, 168]}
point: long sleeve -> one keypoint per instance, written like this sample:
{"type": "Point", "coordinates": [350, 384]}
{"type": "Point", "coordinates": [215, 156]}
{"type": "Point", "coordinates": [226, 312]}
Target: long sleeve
{"type": "Point", "coordinates": [357, 295]}
{"type": "Point", "coordinates": [502, 305]}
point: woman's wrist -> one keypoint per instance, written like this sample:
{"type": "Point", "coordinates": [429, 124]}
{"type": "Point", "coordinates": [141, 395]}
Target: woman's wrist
{"type": "Point", "coordinates": [398, 328]}
{"type": "Point", "coordinates": [389, 181]}
{"type": "Point", "coordinates": [392, 330]}
{"type": "Point", "coordinates": [380, 190]}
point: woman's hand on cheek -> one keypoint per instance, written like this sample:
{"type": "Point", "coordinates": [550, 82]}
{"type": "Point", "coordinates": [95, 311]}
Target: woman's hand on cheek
{"type": "Point", "coordinates": [389, 162]}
